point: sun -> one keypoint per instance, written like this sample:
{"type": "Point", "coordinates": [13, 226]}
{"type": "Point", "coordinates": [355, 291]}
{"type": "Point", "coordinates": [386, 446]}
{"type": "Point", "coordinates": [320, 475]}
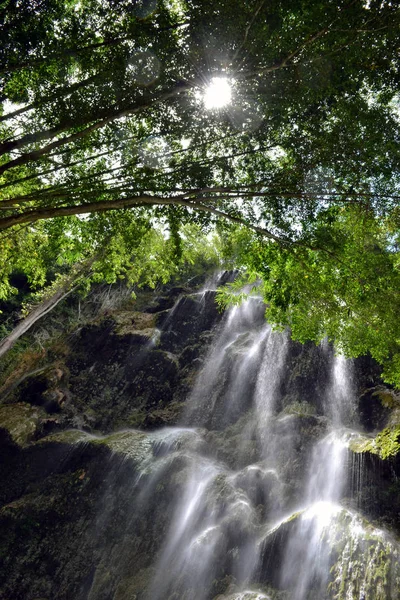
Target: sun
{"type": "Point", "coordinates": [218, 93]}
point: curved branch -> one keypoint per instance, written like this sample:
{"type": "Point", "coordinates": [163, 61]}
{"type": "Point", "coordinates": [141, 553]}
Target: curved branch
{"type": "Point", "coordinates": [125, 203]}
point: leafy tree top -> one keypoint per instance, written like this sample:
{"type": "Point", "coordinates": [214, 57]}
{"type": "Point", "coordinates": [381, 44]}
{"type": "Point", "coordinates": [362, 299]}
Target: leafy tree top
{"type": "Point", "coordinates": [104, 136]}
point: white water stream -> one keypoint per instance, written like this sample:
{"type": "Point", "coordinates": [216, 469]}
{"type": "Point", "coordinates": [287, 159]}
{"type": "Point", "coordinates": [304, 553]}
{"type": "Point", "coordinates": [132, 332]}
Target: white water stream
{"type": "Point", "coordinates": [253, 489]}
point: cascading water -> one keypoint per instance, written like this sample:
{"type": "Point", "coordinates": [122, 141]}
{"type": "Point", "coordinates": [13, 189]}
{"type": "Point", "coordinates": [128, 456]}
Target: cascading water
{"type": "Point", "coordinates": [254, 495]}
{"type": "Point", "coordinates": [229, 518]}
{"type": "Point", "coordinates": [307, 557]}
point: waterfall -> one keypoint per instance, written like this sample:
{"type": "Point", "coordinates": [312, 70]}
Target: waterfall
{"type": "Point", "coordinates": [248, 518]}
{"type": "Point", "coordinates": [231, 364]}
{"type": "Point", "coordinates": [307, 557]}
{"type": "Point", "coordinates": [223, 468]}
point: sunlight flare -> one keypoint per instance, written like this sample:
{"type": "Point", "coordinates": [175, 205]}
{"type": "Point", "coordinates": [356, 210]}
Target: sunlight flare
{"type": "Point", "coordinates": [218, 93]}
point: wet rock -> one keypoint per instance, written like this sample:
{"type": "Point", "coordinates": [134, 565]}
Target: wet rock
{"type": "Point", "coordinates": [192, 315]}
{"type": "Point", "coordinates": [373, 413]}
{"type": "Point", "coordinates": [132, 500]}
{"type": "Point", "coordinates": [163, 417]}
{"type": "Point", "coordinates": [356, 556]}
{"type": "Point", "coordinates": [70, 508]}
{"type": "Point", "coordinates": [308, 371]}
{"type": "Point", "coordinates": [132, 322]}
{"type": "Point", "coordinates": [167, 301]}
{"type": "Point", "coordinates": [189, 354]}
{"type": "Point", "coordinates": [44, 389]}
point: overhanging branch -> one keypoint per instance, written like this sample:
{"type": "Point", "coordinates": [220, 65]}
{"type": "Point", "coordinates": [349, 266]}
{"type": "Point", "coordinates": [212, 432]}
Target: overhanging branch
{"type": "Point", "coordinates": [51, 212]}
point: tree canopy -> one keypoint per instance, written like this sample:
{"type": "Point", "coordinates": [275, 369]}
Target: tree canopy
{"type": "Point", "coordinates": [108, 152]}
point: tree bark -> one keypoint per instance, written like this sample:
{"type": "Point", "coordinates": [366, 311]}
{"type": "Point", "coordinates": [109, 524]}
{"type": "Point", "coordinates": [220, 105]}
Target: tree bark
{"type": "Point", "coordinates": [37, 313]}
{"type": "Point", "coordinates": [67, 287]}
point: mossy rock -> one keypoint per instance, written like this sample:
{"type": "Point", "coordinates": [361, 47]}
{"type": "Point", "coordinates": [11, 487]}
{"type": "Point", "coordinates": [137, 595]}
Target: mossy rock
{"type": "Point", "coordinates": [367, 563]}
{"type": "Point", "coordinates": [388, 398]}
{"type": "Point", "coordinates": [132, 444]}
{"type": "Point", "coordinates": [359, 557]}
{"type": "Point", "coordinates": [189, 354]}
{"type": "Point", "coordinates": [225, 444]}
{"type": "Point", "coordinates": [130, 587]}
{"type": "Point", "coordinates": [386, 444]}
{"type": "Point", "coordinates": [131, 322]}
{"type": "Point", "coordinates": [165, 301]}
{"type": "Point", "coordinates": [69, 436]}
{"type": "Point", "coordinates": [241, 345]}
{"type": "Point", "coordinates": [301, 408]}
{"type": "Point", "coordinates": [21, 421]}
{"type": "Point", "coordinates": [373, 413]}
{"type": "Point", "coordinates": [135, 419]}
{"type": "Point", "coordinates": [43, 387]}
{"type": "Point", "coordinates": [164, 415]}
{"type": "Point", "coordinates": [308, 375]}
{"type": "Point", "coordinates": [362, 443]}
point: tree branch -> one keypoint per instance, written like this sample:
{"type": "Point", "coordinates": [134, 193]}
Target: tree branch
{"type": "Point", "coordinates": [247, 30]}
{"type": "Point", "coordinates": [125, 203]}
{"type": "Point", "coordinates": [60, 93]}
{"type": "Point", "coordinates": [283, 63]}
{"type": "Point", "coordinates": [37, 154]}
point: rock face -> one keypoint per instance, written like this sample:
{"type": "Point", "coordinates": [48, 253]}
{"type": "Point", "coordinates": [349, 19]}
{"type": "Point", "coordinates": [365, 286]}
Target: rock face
{"type": "Point", "coordinates": [179, 453]}
{"type": "Point", "coordinates": [130, 369]}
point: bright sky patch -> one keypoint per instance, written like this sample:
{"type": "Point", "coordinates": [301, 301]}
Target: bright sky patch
{"type": "Point", "coordinates": [218, 93]}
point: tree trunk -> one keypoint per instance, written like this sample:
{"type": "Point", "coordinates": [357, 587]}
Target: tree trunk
{"type": "Point", "coordinates": [37, 313]}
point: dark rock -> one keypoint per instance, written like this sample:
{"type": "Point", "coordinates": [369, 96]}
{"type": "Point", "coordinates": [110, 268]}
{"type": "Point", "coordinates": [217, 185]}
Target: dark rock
{"type": "Point", "coordinates": [189, 354]}
{"type": "Point", "coordinates": [308, 374]}
{"type": "Point", "coordinates": [161, 303]}
{"type": "Point", "coordinates": [373, 415]}
{"type": "Point", "coordinates": [190, 316]}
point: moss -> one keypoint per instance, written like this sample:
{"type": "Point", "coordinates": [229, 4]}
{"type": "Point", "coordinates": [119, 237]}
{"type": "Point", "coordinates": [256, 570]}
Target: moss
{"type": "Point", "coordinates": [136, 418]}
{"type": "Point", "coordinates": [301, 408]}
{"type": "Point", "coordinates": [367, 560]}
{"type": "Point", "coordinates": [131, 444]}
{"type": "Point", "coordinates": [21, 421]}
{"type": "Point", "coordinates": [132, 322]}
{"type": "Point", "coordinates": [241, 344]}
{"type": "Point", "coordinates": [385, 444]}
{"type": "Point", "coordinates": [362, 444]}
{"type": "Point", "coordinates": [168, 415]}
{"type": "Point", "coordinates": [129, 587]}
{"type": "Point", "coordinates": [387, 398]}
{"type": "Point", "coordinates": [70, 436]}
{"type": "Point", "coordinates": [22, 358]}
{"type": "Point", "coordinates": [282, 524]}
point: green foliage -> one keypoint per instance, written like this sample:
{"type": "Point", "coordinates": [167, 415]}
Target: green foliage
{"type": "Point", "coordinates": [109, 157]}
{"type": "Point", "coordinates": [342, 285]}
{"type": "Point", "coordinates": [391, 369]}
{"type": "Point", "coordinates": [385, 444]}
